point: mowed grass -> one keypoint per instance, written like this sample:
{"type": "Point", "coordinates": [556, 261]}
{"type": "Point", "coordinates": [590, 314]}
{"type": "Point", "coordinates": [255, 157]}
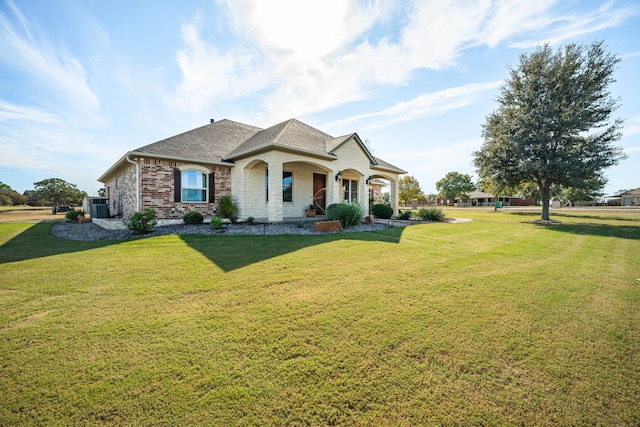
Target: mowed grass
{"type": "Point", "coordinates": [495, 322]}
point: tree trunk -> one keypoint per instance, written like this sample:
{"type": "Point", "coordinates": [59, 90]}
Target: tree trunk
{"type": "Point", "coordinates": [546, 195]}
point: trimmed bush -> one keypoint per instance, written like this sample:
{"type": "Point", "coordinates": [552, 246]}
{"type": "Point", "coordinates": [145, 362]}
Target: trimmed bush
{"type": "Point", "coordinates": [74, 214]}
{"type": "Point", "coordinates": [142, 222]}
{"type": "Point", "coordinates": [193, 217]}
{"type": "Point", "coordinates": [216, 223]}
{"type": "Point", "coordinates": [383, 211]}
{"type": "Point", "coordinates": [349, 214]}
{"type": "Point", "coordinates": [430, 214]}
{"type": "Point", "coordinates": [404, 216]}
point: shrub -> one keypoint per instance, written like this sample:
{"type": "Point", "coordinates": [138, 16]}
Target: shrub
{"type": "Point", "coordinates": [216, 223]}
{"type": "Point", "coordinates": [228, 208]}
{"type": "Point", "coordinates": [383, 211]}
{"type": "Point", "coordinates": [193, 217]}
{"type": "Point", "coordinates": [349, 214]}
{"type": "Point", "coordinates": [404, 216]}
{"type": "Point", "coordinates": [142, 222]}
{"type": "Point", "coordinates": [430, 214]}
{"type": "Point", "coordinates": [251, 220]}
{"type": "Point", "coordinates": [74, 214]}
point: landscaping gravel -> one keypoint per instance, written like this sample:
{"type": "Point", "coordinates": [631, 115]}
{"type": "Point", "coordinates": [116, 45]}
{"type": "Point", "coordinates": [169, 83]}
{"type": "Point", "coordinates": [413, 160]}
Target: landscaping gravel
{"type": "Point", "coordinates": [91, 232]}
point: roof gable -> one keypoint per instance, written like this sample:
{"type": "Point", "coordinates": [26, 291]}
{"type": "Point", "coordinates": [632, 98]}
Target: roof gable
{"type": "Point", "coordinates": [291, 134]}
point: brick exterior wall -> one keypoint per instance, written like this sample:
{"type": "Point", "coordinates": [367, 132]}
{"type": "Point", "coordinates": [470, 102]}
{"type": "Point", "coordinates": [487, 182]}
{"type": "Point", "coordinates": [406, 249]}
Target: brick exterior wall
{"type": "Point", "coordinates": [157, 189]}
{"type": "Point", "coordinates": [121, 192]}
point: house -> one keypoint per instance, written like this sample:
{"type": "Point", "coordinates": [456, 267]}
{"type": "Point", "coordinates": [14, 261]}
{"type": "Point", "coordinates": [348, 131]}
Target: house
{"type": "Point", "coordinates": [273, 174]}
{"type": "Point", "coordinates": [629, 198]}
{"type": "Point", "coordinates": [483, 198]}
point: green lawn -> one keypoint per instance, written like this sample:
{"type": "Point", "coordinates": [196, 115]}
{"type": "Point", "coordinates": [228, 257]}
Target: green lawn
{"type": "Point", "coordinates": [495, 322]}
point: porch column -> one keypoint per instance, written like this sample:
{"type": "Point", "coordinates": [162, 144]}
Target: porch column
{"type": "Point", "coordinates": [393, 195]}
{"type": "Point", "coordinates": [275, 191]}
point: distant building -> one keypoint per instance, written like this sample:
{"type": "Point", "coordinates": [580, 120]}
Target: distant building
{"type": "Point", "coordinates": [484, 198]}
{"type": "Point", "coordinates": [628, 198]}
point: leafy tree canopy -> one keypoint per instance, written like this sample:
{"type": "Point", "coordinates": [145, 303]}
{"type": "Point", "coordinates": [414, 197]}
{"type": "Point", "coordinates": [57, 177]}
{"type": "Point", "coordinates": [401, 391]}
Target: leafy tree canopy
{"type": "Point", "coordinates": [455, 185]}
{"type": "Point", "coordinates": [59, 192]}
{"type": "Point", "coordinates": [552, 126]}
{"type": "Point", "coordinates": [5, 187]}
{"type": "Point", "coordinates": [409, 189]}
{"type": "Point", "coordinates": [591, 190]}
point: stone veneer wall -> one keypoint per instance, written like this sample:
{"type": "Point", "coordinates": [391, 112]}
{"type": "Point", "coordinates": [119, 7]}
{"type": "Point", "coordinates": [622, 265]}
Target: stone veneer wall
{"type": "Point", "coordinates": [157, 189]}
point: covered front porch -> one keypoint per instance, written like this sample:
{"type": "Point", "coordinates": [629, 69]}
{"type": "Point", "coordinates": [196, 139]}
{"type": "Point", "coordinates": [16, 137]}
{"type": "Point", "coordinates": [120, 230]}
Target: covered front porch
{"type": "Point", "coordinates": [300, 184]}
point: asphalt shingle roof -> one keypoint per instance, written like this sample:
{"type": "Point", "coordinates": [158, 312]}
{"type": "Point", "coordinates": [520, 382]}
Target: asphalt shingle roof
{"type": "Point", "coordinates": [292, 134]}
{"type": "Point", "coordinates": [226, 140]}
{"type": "Point", "coordinates": [210, 143]}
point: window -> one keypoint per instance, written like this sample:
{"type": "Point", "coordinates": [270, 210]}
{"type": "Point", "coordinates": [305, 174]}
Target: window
{"type": "Point", "coordinates": [287, 186]}
{"type": "Point", "coordinates": [194, 186]}
{"type": "Point", "coordinates": [350, 191]}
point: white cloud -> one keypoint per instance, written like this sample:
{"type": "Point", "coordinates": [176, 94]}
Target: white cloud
{"type": "Point", "coordinates": [10, 111]}
{"type": "Point", "coordinates": [424, 105]}
{"type": "Point", "coordinates": [52, 66]}
{"type": "Point", "coordinates": [631, 126]}
{"type": "Point", "coordinates": [300, 58]}
{"type": "Point", "coordinates": [211, 76]}
{"type": "Point", "coordinates": [567, 27]}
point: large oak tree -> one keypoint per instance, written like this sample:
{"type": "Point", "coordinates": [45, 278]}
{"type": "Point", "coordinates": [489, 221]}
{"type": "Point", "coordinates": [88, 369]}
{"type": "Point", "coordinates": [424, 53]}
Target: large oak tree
{"type": "Point", "coordinates": [552, 126]}
{"type": "Point", "coordinates": [57, 192]}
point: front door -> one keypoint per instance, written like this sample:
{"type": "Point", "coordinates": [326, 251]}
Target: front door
{"type": "Point", "coordinates": [319, 182]}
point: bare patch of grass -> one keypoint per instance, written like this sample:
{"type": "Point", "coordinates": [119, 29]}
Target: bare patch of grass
{"type": "Point", "coordinates": [27, 214]}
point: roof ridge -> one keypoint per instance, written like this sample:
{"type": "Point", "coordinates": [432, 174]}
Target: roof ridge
{"type": "Point", "coordinates": [286, 123]}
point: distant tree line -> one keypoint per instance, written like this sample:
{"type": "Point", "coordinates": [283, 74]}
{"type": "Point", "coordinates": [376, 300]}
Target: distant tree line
{"type": "Point", "coordinates": [48, 192]}
{"type": "Point", "coordinates": [10, 197]}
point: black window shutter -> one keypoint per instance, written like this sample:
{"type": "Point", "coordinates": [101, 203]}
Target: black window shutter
{"type": "Point", "coordinates": [212, 190]}
{"type": "Point", "coordinates": [177, 185]}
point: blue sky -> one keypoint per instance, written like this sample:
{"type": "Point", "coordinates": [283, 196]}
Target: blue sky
{"type": "Point", "coordinates": [85, 81]}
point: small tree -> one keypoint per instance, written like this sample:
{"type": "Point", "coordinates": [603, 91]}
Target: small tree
{"type": "Point", "coordinates": [455, 185]}
{"type": "Point", "coordinates": [552, 124]}
{"type": "Point", "coordinates": [227, 207]}
{"type": "Point", "coordinates": [409, 189]}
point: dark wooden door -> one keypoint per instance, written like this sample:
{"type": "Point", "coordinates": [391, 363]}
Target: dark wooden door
{"type": "Point", "coordinates": [319, 182]}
